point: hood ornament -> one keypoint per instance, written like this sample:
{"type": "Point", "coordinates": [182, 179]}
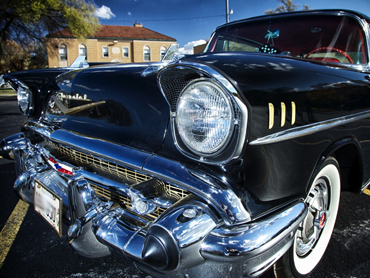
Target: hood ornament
{"type": "Point", "coordinates": [172, 56]}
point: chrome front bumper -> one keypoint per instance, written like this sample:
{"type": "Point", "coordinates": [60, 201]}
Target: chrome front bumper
{"type": "Point", "coordinates": [187, 238]}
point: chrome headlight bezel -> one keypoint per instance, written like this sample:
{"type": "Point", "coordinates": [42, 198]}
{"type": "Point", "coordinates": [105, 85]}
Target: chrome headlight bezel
{"type": "Point", "coordinates": [24, 94]}
{"type": "Point", "coordinates": [25, 100]}
{"type": "Point", "coordinates": [175, 79]}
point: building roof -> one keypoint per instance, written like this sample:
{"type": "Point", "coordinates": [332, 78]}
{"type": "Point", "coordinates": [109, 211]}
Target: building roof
{"type": "Point", "coordinates": [136, 32]}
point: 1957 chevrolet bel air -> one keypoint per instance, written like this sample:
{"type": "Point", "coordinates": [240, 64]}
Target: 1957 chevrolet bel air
{"type": "Point", "coordinates": [227, 162]}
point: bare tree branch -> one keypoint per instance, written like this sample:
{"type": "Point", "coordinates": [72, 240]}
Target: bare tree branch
{"type": "Point", "coordinates": [27, 22]}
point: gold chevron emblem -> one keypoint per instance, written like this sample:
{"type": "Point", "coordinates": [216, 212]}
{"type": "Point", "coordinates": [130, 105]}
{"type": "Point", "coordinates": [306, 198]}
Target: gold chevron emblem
{"type": "Point", "coordinates": [70, 111]}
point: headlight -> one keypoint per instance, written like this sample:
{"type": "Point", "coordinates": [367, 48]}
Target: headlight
{"type": "Point", "coordinates": [204, 117]}
{"type": "Point", "coordinates": [24, 100]}
{"type": "Point", "coordinates": [209, 116]}
{"type": "Point", "coordinates": [24, 94]}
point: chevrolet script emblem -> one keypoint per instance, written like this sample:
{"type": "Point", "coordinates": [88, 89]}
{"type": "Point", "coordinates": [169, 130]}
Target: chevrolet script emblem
{"type": "Point", "coordinates": [70, 111]}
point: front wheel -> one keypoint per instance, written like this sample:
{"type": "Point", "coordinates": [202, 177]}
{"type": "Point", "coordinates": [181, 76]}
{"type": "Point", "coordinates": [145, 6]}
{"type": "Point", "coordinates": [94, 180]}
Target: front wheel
{"type": "Point", "coordinates": [314, 233]}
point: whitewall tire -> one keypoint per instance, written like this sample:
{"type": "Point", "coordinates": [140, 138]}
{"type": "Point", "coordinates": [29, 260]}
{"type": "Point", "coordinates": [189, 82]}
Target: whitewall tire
{"type": "Point", "coordinates": [313, 236]}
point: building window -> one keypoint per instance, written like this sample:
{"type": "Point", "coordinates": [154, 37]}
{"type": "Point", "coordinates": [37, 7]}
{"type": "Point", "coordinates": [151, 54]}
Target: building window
{"type": "Point", "coordinates": [105, 52]}
{"type": "Point", "coordinates": [163, 51]}
{"type": "Point", "coordinates": [63, 52]}
{"type": "Point", "coordinates": [146, 51]}
{"type": "Point", "coordinates": [82, 51]}
{"type": "Point", "coordinates": [125, 52]}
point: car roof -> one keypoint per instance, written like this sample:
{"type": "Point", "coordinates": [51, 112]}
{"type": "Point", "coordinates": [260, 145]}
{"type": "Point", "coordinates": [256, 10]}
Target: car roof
{"type": "Point", "coordinates": [298, 13]}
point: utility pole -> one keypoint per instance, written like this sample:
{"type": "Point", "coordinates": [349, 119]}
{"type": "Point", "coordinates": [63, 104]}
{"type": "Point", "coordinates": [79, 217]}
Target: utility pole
{"type": "Point", "coordinates": [228, 11]}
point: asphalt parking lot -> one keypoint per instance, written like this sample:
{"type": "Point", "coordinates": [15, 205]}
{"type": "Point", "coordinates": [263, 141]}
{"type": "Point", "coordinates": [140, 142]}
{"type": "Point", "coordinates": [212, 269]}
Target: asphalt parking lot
{"type": "Point", "coordinates": [37, 251]}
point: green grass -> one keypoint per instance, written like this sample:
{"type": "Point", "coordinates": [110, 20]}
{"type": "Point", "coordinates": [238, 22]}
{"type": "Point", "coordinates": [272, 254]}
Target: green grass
{"type": "Point", "coordinates": [7, 92]}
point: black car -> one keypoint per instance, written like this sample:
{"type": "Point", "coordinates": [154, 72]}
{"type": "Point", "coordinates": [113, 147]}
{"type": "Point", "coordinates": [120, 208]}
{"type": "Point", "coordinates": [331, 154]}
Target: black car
{"type": "Point", "coordinates": [229, 162]}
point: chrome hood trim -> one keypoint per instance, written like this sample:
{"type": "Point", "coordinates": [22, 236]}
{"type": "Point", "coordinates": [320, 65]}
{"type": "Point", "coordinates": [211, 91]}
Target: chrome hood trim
{"type": "Point", "coordinates": [94, 146]}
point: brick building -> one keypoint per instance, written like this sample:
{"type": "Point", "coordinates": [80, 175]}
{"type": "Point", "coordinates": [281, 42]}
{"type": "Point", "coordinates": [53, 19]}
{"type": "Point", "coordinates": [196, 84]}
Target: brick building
{"type": "Point", "coordinates": [111, 43]}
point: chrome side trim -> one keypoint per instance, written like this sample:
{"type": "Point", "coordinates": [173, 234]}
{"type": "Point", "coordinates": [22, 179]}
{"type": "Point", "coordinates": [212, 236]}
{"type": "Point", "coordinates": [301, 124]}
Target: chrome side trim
{"type": "Point", "coordinates": [365, 185]}
{"type": "Point", "coordinates": [309, 129]}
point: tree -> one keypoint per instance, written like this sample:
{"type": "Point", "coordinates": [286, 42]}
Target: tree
{"type": "Point", "coordinates": [27, 22]}
{"type": "Point", "coordinates": [39, 57]}
{"type": "Point", "coordinates": [14, 56]}
{"type": "Point", "coordinates": [285, 6]}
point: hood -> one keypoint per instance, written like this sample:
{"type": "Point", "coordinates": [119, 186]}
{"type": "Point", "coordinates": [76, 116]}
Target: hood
{"type": "Point", "coordinates": [114, 104]}
{"type": "Point", "coordinates": [252, 68]}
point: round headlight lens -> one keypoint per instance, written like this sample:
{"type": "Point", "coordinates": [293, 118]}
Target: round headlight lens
{"type": "Point", "coordinates": [204, 117]}
{"type": "Point", "coordinates": [24, 100]}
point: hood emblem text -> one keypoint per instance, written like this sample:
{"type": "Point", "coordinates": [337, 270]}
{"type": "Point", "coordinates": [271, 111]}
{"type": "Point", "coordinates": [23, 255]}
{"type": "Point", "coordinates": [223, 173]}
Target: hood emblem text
{"type": "Point", "coordinates": [70, 111]}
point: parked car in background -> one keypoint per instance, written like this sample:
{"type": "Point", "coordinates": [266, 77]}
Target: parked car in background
{"type": "Point", "coordinates": [229, 162]}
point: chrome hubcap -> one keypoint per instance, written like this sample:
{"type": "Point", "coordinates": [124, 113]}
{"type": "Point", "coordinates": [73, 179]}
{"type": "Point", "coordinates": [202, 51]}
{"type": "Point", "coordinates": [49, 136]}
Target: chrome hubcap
{"type": "Point", "coordinates": [310, 230]}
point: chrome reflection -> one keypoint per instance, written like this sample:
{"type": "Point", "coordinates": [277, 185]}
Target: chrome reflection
{"type": "Point", "coordinates": [309, 129]}
{"type": "Point", "coordinates": [174, 78]}
{"type": "Point", "coordinates": [226, 243]}
{"type": "Point", "coordinates": [98, 225]}
{"type": "Point", "coordinates": [224, 200]}
{"type": "Point", "coordinates": [24, 94]}
{"type": "Point", "coordinates": [228, 204]}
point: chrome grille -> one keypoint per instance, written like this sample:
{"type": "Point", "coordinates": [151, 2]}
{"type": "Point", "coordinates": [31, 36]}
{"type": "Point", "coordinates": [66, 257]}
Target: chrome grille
{"type": "Point", "coordinates": [83, 159]}
{"type": "Point", "coordinates": [131, 177]}
{"type": "Point", "coordinates": [174, 81]}
{"type": "Point", "coordinates": [175, 192]}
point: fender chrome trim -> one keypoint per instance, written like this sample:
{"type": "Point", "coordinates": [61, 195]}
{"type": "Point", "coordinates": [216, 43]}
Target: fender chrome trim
{"type": "Point", "coordinates": [308, 129]}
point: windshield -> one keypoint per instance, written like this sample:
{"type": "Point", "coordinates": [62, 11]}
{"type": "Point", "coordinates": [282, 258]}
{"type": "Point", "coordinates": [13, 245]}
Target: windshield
{"type": "Point", "coordinates": [325, 38]}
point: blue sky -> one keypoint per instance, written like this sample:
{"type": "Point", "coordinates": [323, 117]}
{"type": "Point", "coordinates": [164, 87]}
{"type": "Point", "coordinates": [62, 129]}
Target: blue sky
{"type": "Point", "coordinates": [192, 21]}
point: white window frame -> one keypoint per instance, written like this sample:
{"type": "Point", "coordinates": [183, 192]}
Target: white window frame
{"type": "Point", "coordinates": [147, 47]}
{"type": "Point", "coordinates": [82, 46]}
{"type": "Point", "coordinates": [63, 46]}
{"type": "Point", "coordinates": [105, 47]}
{"type": "Point", "coordinates": [123, 52]}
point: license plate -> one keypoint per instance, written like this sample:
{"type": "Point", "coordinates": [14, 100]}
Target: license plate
{"type": "Point", "coordinates": [49, 206]}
